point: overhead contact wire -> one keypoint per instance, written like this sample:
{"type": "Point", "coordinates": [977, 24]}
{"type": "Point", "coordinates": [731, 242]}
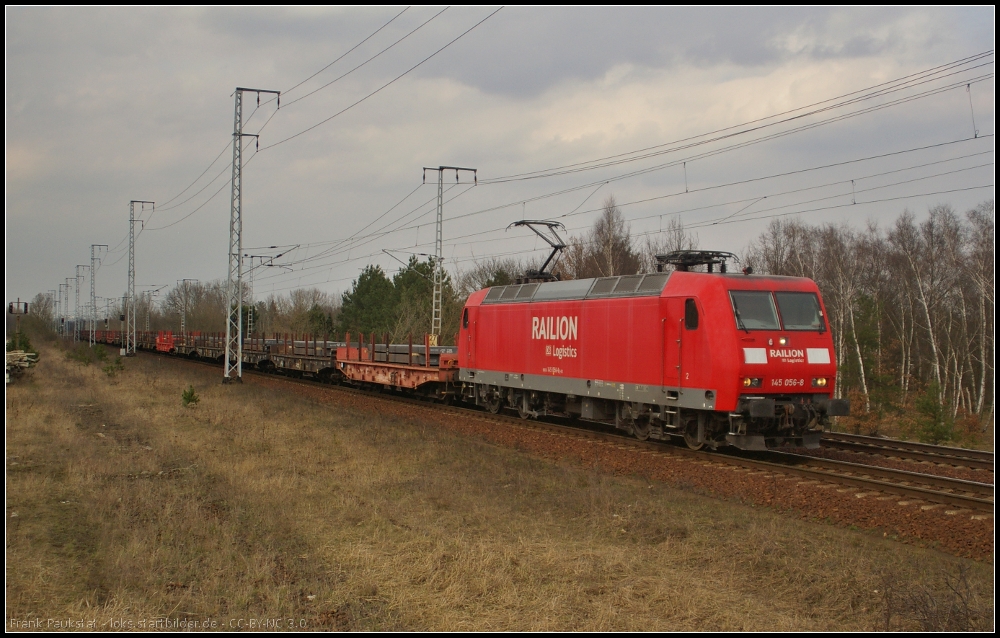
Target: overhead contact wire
{"type": "Point", "coordinates": [387, 84]}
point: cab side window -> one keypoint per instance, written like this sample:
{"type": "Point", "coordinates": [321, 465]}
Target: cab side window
{"type": "Point", "coordinates": [465, 318]}
{"type": "Point", "coordinates": [690, 315]}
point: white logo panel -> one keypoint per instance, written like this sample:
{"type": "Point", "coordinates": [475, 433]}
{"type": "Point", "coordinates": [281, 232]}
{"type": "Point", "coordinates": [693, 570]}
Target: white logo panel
{"type": "Point", "coordinates": [818, 355]}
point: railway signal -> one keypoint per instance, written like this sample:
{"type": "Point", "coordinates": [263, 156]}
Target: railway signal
{"type": "Point", "coordinates": [17, 308]}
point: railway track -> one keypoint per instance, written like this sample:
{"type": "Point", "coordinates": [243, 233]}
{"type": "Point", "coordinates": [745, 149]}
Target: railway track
{"type": "Point", "coordinates": [939, 489]}
{"type": "Point", "coordinates": [976, 459]}
{"type": "Point", "coordinates": [912, 487]}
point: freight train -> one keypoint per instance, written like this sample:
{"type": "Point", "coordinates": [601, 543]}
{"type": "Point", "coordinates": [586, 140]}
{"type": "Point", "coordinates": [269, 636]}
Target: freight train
{"type": "Point", "coordinates": [700, 354]}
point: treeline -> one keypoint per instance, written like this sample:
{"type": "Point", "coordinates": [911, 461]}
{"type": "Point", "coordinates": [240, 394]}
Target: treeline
{"type": "Point", "coordinates": [911, 305]}
{"type": "Point", "coordinates": [202, 306]}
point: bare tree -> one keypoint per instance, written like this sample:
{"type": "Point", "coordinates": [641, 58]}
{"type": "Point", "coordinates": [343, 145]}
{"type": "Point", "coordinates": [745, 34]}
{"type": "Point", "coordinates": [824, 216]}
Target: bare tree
{"type": "Point", "coordinates": [606, 251]}
{"type": "Point", "coordinates": [489, 272]}
{"type": "Point", "coordinates": [672, 238]}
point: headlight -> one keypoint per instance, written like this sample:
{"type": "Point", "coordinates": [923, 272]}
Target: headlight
{"type": "Point", "coordinates": [819, 382]}
{"type": "Point", "coordinates": [749, 382]}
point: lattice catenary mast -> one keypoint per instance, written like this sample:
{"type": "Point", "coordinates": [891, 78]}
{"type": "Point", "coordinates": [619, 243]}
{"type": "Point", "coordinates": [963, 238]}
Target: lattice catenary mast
{"type": "Point", "coordinates": [438, 258]}
{"type": "Point", "coordinates": [65, 307]}
{"type": "Point", "coordinates": [93, 291]}
{"type": "Point", "coordinates": [130, 296]}
{"type": "Point", "coordinates": [233, 362]}
{"type": "Point", "coordinates": [55, 310]}
{"type": "Point", "coordinates": [76, 310]}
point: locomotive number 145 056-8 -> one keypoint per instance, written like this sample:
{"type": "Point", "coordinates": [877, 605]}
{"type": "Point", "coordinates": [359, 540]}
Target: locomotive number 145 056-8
{"type": "Point", "coordinates": [788, 383]}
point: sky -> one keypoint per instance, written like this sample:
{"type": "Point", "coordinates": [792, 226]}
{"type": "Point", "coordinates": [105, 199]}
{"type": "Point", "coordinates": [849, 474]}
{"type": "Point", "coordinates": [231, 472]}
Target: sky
{"type": "Point", "coordinates": [724, 119]}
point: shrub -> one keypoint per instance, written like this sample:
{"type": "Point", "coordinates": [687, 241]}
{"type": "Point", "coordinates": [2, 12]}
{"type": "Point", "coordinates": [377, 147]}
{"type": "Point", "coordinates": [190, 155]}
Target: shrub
{"type": "Point", "coordinates": [188, 397]}
{"type": "Point", "coordinates": [81, 354]}
{"type": "Point", "coordinates": [19, 341]}
{"type": "Point", "coordinates": [936, 426]}
{"type": "Point", "coordinates": [114, 367]}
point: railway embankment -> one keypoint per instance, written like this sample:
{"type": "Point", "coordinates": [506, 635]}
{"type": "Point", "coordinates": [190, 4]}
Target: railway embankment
{"type": "Point", "coordinates": [339, 510]}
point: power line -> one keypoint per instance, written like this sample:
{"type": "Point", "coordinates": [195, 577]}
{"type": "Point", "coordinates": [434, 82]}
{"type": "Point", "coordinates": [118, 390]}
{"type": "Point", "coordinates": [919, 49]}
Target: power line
{"type": "Point", "coordinates": [357, 239]}
{"type": "Point", "coordinates": [702, 225]}
{"type": "Point", "coordinates": [747, 181]}
{"type": "Point", "coordinates": [727, 220]}
{"type": "Point", "coordinates": [322, 122]}
{"type": "Point", "coordinates": [390, 82]}
{"type": "Point", "coordinates": [213, 196]}
{"type": "Point", "coordinates": [226, 147]}
{"type": "Point", "coordinates": [757, 199]}
{"type": "Point", "coordinates": [382, 232]}
{"type": "Point", "coordinates": [725, 149]}
{"type": "Point", "coordinates": [339, 249]}
{"type": "Point", "coordinates": [874, 201]}
{"type": "Point", "coordinates": [347, 52]}
{"type": "Point", "coordinates": [298, 99]}
{"type": "Point", "coordinates": [883, 89]}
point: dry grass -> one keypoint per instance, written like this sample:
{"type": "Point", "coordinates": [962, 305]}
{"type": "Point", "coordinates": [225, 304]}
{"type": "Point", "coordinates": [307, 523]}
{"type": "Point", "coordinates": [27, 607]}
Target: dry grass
{"type": "Point", "coordinates": [257, 504]}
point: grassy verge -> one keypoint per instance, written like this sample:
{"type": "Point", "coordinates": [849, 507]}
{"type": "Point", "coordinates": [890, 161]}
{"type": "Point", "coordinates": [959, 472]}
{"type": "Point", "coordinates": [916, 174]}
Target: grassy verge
{"type": "Point", "coordinates": [252, 507]}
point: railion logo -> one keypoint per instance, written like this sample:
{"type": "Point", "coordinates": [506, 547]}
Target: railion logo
{"type": "Point", "coordinates": [554, 327]}
{"type": "Point", "coordinates": [787, 353]}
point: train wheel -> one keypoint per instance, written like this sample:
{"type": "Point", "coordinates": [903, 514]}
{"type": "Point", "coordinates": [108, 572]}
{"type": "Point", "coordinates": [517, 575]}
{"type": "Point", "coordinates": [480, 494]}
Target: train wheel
{"type": "Point", "coordinates": [493, 400]}
{"type": "Point", "coordinates": [493, 404]}
{"type": "Point", "coordinates": [626, 420]}
{"type": "Point", "coordinates": [523, 410]}
{"type": "Point", "coordinates": [691, 435]}
{"type": "Point", "coordinates": [640, 428]}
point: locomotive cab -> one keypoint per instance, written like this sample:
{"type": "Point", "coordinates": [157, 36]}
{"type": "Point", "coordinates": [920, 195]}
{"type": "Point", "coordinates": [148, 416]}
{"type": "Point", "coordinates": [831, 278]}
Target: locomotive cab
{"type": "Point", "coordinates": [786, 364]}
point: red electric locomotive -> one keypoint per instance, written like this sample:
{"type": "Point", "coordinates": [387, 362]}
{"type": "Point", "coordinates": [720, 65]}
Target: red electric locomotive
{"type": "Point", "coordinates": [714, 357]}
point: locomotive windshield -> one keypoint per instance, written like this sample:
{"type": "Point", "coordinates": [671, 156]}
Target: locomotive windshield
{"type": "Point", "coordinates": [754, 310]}
{"type": "Point", "coordinates": [799, 311]}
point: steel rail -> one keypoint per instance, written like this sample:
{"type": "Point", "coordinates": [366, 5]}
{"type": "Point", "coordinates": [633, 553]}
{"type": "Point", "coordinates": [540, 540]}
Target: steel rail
{"type": "Point", "coordinates": [889, 474]}
{"type": "Point", "coordinates": [947, 450]}
{"type": "Point", "coordinates": [911, 451]}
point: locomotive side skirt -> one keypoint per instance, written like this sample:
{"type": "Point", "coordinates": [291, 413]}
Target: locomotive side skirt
{"type": "Point", "coordinates": [692, 398]}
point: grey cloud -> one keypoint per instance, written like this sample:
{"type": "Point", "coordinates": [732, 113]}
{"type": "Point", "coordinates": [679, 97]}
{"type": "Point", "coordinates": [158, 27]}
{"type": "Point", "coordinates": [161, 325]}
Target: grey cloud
{"type": "Point", "coordinates": [105, 105]}
{"type": "Point", "coordinates": [524, 51]}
